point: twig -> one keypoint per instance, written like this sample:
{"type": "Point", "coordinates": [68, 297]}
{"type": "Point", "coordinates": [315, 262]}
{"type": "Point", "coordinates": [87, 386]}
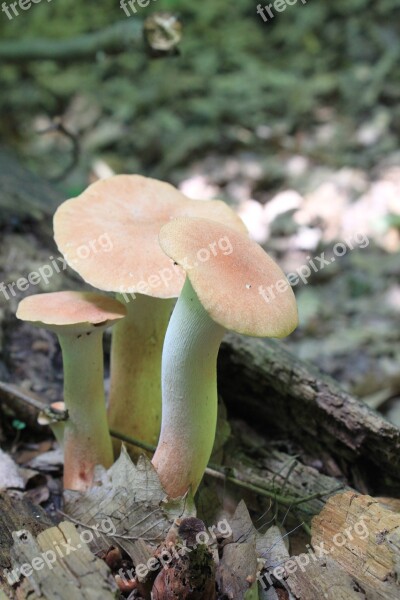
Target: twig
{"type": "Point", "coordinates": [120, 36]}
{"type": "Point", "coordinates": [130, 440]}
{"type": "Point", "coordinates": [218, 472]}
{"type": "Point", "coordinates": [160, 35]}
{"type": "Point", "coordinates": [14, 392]}
{"type": "Point", "coordinates": [284, 500]}
{"type": "Point", "coordinates": [306, 528]}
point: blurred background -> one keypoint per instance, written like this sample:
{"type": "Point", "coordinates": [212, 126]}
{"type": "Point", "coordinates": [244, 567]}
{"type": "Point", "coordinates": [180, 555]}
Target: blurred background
{"type": "Point", "coordinates": [295, 122]}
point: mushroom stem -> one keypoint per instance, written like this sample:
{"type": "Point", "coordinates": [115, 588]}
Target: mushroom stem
{"type": "Point", "coordinates": [50, 417]}
{"type": "Point", "coordinates": [135, 392]}
{"type": "Point", "coordinates": [87, 441]}
{"type": "Point", "coordinates": [58, 432]}
{"type": "Point", "coordinates": [189, 393]}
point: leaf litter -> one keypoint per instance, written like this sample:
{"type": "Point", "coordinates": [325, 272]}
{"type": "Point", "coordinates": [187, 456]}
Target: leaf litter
{"type": "Point", "coordinates": [131, 498]}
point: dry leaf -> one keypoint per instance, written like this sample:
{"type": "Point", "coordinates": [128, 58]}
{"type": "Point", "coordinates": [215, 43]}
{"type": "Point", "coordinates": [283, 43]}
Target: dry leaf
{"type": "Point", "coordinates": [10, 477]}
{"type": "Point", "coordinates": [129, 505]}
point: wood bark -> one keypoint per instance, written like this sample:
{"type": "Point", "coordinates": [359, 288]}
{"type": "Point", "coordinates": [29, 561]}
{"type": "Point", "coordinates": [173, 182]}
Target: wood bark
{"type": "Point", "coordinates": [282, 395]}
{"type": "Point", "coordinates": [16, 515]}
{"type": "Point", "coordinates": [58, 564]}
{"type": "Point", "coordinates": [286, 476]}
{"type": "Point", "coordinates": [354, 555]}
{"type": "Point", "coordinates": [357, 552]}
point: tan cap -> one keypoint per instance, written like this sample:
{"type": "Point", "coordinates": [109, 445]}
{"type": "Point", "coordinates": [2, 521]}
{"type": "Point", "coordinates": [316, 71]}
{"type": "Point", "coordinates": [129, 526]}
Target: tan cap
{"type": "Point", "coordinates": [109, 234]}
{"type": "Point", "coordinates": [54, 415]}
{"type": "Point", "coordinates": [73, 312]}
{"type": "Point", "coordinates": [228, 272]}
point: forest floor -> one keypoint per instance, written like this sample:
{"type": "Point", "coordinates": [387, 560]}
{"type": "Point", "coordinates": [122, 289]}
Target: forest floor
{"type": "Point", "coordinates": [317, 182]}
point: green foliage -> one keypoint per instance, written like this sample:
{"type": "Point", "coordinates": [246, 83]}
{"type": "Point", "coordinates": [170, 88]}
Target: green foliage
{"type": "Point", "coordinates": [234, 73]}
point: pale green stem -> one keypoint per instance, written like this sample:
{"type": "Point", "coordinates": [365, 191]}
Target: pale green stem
{"type": "Point", "coordinates": [190, 401]}
{"type": "Point", "coordinates": [57, 427]}
{"type": "Point", "coordinates": [58, 432]}
{"type": "Point", "coordinates": [135, 392]}
{"type": "Point", "coordinates": [87, 441]}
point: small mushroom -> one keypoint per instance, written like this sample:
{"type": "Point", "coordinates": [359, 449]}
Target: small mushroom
{"type": "Point", "coordinates": [221, 293]}
{"type": "Point", "coordinates": [79, 320]}
{"type": "Point", "coordinates": [109, 235]}
{"type": "Point", "coordinates": [55, 419]}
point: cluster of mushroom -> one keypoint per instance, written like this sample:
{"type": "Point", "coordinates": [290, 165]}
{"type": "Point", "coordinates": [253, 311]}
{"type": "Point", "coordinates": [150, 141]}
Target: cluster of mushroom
{"type": "Point", "coordinates": [163, 388]}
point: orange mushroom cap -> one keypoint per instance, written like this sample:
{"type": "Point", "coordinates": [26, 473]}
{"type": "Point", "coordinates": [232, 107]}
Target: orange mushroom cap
{"type": "Point", "coordinates": [72, 312]}
{"type": "Point", "coordinates": [228, 279]}
{"type": "Point", "coordinates": [116, 222]}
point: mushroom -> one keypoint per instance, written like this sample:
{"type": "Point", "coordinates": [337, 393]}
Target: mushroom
{"type": "Point", "coordinates": [109, 235]}
{"type": "Point", "coordinates": [79, 320]}
{"type": "Point", "coordinates": [225, 290]}
{"type": "Point", "coordinates": [55, 418]}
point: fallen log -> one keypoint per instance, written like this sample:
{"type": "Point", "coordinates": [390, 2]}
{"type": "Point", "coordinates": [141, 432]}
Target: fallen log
{"type": "Point", "coordinates": [280, 394]}
{"type": "Point", "coordinates": [363, 537]}
{"type": "Point", "coordinates": [16, 515]}
{"type": "Point", "coordinates": [353, 555]}
{"type": "Point", "coordinates": [357, 552]}
{"type": "Point", "coordinates": [39, 560]}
